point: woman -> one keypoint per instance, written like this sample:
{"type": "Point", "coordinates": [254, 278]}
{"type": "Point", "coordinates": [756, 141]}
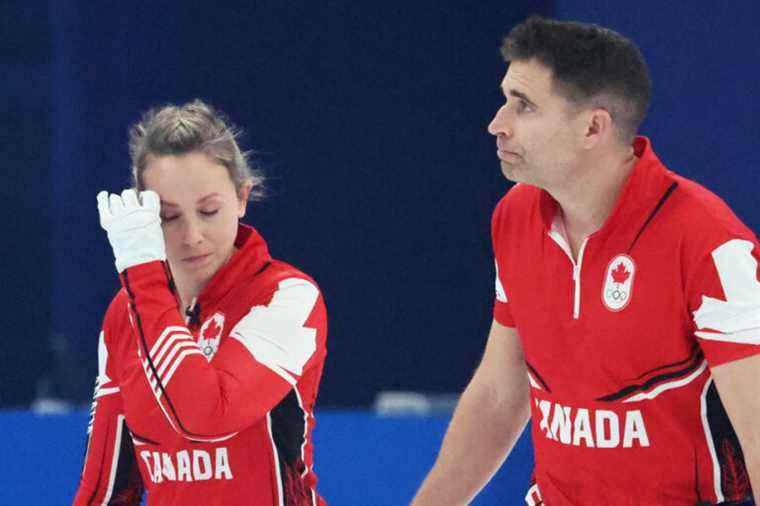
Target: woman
{"type": "Point", "coordinates": [211, 354]}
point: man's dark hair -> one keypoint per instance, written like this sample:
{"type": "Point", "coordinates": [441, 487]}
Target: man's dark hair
{"type": "Point", "coordinates": [590, 64]}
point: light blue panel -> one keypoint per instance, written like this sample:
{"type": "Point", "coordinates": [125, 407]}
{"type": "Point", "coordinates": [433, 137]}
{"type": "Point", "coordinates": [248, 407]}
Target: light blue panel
{"type": "Point", "coordinates": [360, 458]}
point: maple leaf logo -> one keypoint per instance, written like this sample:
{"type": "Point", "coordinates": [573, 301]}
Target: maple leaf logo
{"type": "Point", "coordinates": [620, 274]}
{"type": "Point", "coordinates": [212, 331]}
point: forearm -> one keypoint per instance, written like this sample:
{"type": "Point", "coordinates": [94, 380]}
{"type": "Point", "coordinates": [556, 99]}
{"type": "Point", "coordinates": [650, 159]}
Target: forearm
{"type": "Point", "coordinates": [752, 461]}
{"type": "Point", "coordinates": [199, 400]}
{"type": "Point", "coordinates": [260, 361]}
{"type": "Point", "coordinates": [483, 430]}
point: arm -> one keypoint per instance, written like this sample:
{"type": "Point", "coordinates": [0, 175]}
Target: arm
{"type": "Point", "coordinates": [490, 416]}
{"type": "Point", "coordinates": [739, 389]}
{"type": "Point", "coordinates": [109, 474]}
{"type": "Point", "coordinates": [266, 354]}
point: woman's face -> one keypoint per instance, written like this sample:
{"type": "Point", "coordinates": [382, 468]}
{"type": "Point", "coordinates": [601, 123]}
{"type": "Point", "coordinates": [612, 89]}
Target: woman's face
{"type": "Point", "coordinates": [200, 209]}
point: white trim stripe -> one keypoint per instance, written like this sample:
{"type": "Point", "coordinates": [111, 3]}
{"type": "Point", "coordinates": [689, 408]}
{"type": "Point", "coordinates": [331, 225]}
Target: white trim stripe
{"type": "Point", "coordinates": [708, 436]}
{"type": "Point", "coordinates": [106, 391]}
{"type": "Point", "coordinates": [275, 455]}
{"type": "Point", "coordinates": [750, 336]}
{"type": "Point", "coordinates": [305, 431]}
{"type": "Point", "coordinates": [169, 344]}
{"type": "Point", "coordinates": [533, 382]}
{"type": "Point", "coordinates": [167, 331]}
{"type": "Point", "coordinates": [165, 364]}
{"type": "Point", "coordinates": [114, 460]}
{"type": "Point", "coordinates": [669, 386]}
{"type": "Point", "coordinates": [186, 353]}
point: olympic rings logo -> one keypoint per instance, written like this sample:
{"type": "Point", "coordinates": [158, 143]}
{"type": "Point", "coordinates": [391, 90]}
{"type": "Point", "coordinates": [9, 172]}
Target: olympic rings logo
{"type": "Point", "coordinates": [616, 294]}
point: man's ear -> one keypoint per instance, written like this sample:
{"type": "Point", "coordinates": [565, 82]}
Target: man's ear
{"type": "Point", "coordinates": [598, 126]}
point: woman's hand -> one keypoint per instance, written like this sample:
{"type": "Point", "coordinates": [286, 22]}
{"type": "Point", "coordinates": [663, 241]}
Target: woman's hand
{"type": "Point", "coordinates": [133, 225]}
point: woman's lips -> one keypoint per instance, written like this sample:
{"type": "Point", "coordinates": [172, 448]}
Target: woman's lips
{"type": "Point", "coordinates": [197, 259]}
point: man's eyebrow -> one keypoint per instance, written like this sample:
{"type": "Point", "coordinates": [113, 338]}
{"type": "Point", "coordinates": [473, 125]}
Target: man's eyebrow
{"type": "Point", "coordinates": [520, 94]}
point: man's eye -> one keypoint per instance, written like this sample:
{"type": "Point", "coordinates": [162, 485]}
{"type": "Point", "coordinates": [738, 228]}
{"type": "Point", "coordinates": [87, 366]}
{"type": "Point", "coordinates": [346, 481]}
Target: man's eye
{"type": "Point", "coordinates": [210, 213]}
{"type": "Point", "coordinates": [167, 219]}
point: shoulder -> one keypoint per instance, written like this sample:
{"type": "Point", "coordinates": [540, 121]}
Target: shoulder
{"type": "Point", "coordinates": [118, 310]}
{"type": "Point", "coordinates": [283, 283]}
{"type": "Point", "coordinates": [703, 219]}
{"type": "Point", "coordinates": [518, 198]}
{"type": "Point", "coordinates": [116, 318]}
{"type": "Point", "coordinates": [517, 211]}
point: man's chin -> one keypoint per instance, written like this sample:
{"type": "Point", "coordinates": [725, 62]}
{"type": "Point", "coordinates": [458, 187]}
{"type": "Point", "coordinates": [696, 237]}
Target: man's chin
{"type": "Point", "coordinates": [512, 172]}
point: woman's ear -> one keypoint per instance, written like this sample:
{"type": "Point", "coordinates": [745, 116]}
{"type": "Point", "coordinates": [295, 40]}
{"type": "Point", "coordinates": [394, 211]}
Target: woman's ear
{"type": "Point", "coordinates": [243, 193]}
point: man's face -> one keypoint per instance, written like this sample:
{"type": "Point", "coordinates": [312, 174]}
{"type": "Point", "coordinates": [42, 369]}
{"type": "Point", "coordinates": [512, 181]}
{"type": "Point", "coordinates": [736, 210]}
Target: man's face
{"type": "Point", "coordinates": [200, 209]}
{"type": "Point", "coordinates": [537, 130]}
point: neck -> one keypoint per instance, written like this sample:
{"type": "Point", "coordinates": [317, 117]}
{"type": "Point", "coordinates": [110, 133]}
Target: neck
{"type": "Point", "coordinates": [186, 292]}
{"type": "Point", "coordinates": [589, 195]}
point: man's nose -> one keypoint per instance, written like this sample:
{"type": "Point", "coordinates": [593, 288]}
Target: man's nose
{"type": "Point", "coordinates": [500, 123]}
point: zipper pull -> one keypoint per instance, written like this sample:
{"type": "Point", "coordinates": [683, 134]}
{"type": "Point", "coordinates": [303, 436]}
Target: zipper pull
{"type": "Point", "coordinates": [576, 271]}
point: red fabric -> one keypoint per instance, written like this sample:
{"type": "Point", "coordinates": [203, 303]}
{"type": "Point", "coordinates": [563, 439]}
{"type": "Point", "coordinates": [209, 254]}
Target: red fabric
{"type": "Point", "coordinates": [220, 432]}
{"type": "Point", "coordinates": [587, 363]}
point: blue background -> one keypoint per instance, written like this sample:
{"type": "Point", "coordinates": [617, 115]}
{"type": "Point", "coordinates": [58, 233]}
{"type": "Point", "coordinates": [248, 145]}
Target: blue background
{"type": "Point", "coordinates": [369, 119]}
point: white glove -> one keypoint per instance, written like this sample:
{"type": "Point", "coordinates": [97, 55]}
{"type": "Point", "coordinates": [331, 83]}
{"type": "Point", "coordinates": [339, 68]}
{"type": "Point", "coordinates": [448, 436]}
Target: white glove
{"type": "Point", "coordinates": [133, 228]}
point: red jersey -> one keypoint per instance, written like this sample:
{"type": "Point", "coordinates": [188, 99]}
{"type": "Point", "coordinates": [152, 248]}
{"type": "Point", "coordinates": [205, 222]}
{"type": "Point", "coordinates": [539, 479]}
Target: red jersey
{"type": "Point", "coordinates": [619, 344]}
{"type": "Point", "coordinates": [215, 408]}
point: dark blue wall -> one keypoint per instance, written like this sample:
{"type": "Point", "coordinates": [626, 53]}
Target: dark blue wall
{"type": "Point", "coordinates": [25, 196]}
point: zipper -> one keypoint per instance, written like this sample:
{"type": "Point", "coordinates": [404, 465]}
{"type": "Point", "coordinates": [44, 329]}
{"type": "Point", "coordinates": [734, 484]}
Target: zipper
{"type": "Point", "coordinates": [577, 280]}
{"type": "Point", "coordinates": [561, 241]}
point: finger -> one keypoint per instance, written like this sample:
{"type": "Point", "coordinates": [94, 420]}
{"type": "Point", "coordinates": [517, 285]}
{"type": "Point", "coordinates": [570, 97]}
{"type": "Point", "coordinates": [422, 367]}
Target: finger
{"type": "Point", "coordinates": [103, 207]}
{"type": "Point", "coordinates": [117, 206]}
{"type": "Point", "coordinates": [129, 199]}
{"type": "Point", "coordinates": [150, 199]}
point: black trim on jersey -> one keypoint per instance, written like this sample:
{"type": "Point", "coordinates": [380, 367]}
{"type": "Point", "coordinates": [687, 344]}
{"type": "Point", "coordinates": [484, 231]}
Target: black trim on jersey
{"type": "Point", "coordinates": [288, 429]}
{"type": "Point", "coordinates": [734, 479]}
{"type": "Point", "coordinates": [696, 361]}
{"type": "Point", "coordinates": [143, 439]}
{"type": "Point", "coordinates": [263, 268]}
{"type": "Point", "coordinates": [695, 350]}
{"type": "Point", "coordinates": [127, 482]}
{"type": "Point", "coordinates": [664, 197]}
{"type": "Point", "coordinates": [144, 345]}
{"type": "Point", "coordinates": [538, 377]}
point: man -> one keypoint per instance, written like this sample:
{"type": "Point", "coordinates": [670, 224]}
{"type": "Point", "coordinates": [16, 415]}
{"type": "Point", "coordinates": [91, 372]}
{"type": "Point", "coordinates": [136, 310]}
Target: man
{"type": "Point", "coordinates": [627, 312]}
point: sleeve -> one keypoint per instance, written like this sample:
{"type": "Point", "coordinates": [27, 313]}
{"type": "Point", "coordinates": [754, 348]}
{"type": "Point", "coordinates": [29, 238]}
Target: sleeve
{"type": "Point", "coordinates": [110, 474]}
{"type": "Point", "coordinates": [724, 298]}
{"type": "Point", "coordinates": [501, 309]}
{"type": "Point", "coordinates": [267, 352]}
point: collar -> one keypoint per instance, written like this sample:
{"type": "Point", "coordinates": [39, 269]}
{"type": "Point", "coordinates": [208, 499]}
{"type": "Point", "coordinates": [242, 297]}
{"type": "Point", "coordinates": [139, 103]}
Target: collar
{"type": "Point", "coordinates": [647, 183]}
{"type": "Point", "coordinates": [250, 257]}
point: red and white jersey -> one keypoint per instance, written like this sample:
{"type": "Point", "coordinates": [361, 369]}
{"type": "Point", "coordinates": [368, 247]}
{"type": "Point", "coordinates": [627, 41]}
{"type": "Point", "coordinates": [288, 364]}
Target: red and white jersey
{"type": "Point", "coordinates": [216, 409]}
{"type": "Point", "coordinates": [619, 344]}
